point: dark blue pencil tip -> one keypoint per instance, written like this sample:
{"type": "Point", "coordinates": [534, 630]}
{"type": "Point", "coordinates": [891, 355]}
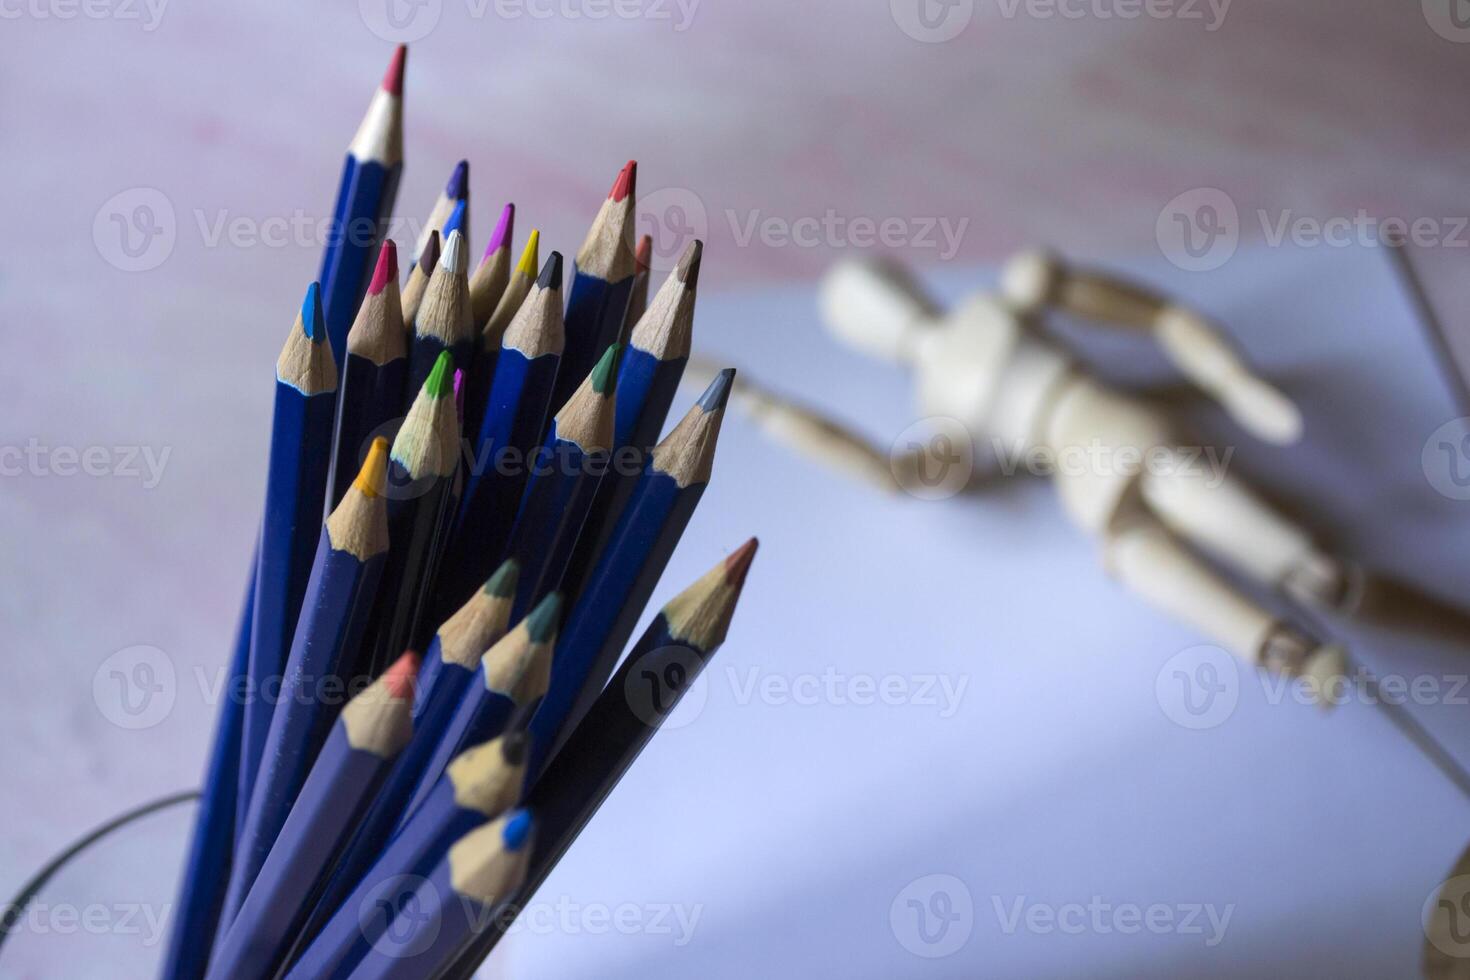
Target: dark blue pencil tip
{"type": "Point", "coordinates": [718, 393]}
{"type": "Point", "coordinates": [312, 321]}
{"type": "Point", "coordinates": [455, 222]}
{"type": "Point", "coordinates": [551, 272]}
{"type": "Point", "coordinates": [517, 830]}
{"type": "Point", "coordinates": [541, 623]}
{"type": "Point", "coordinates": [458, 188]}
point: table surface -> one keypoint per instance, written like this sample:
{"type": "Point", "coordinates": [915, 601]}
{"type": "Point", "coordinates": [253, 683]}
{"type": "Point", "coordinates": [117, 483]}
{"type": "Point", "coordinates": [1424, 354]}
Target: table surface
{"type": "Point", "coordinates": [775, 134]}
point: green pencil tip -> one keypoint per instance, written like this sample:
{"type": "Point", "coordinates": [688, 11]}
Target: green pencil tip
{"type": "Point", "coordinates": [440, 382]}
{"type": "Point", "coordinates": [605, 374]}
{"type": "Point", "coordinates": [542, 621]}
{"type": "Point", "coordinates": [503, 583]}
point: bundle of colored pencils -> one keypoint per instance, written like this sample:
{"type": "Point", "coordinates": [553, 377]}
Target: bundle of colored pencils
{"type": "Point", "coordinates": [467, 510]}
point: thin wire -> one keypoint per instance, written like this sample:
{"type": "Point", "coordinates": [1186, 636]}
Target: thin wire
{"type": "Point", "coordinates": [16, 908]}
{"type": "Point", "coordinates": [1429, 322]}
{"type": "Point", "coordinates": [1410, 728]}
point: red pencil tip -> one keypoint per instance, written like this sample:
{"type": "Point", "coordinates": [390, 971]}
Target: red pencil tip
{"type": "Point", "coordinates": [386, 269]}
{"type": "Point", "coordinates": [393, 77]}
{"type": "Point", "coordinates": [399, 678]}
{"type": "Point", "coordinates": [738, 564]}
{"type": "Point", "coordinates": [643, 257]}
{"type": "Point", "coordinates": [626, 183]}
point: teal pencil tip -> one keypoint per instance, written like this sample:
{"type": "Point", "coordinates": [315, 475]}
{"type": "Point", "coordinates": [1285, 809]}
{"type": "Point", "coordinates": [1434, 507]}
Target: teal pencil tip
{"type": "Point", "coordinates": [503, 583]}
{"type": "Point", "coordinates": [517, 830]}
{"type": "Point", "coordinates": [312, 320]}
{"type": "Point", "coordinates": [542, 621]}
{"type": "Point", "coordinates": [605, 374]}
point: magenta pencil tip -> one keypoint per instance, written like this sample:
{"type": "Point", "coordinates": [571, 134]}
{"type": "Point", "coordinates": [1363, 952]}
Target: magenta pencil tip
{"type": "Point", "coordinates": [386, 269]}
{"type": "Point", "coordinates": [393, 77]}
{"type": "Point", "coordinates": [503, 231]}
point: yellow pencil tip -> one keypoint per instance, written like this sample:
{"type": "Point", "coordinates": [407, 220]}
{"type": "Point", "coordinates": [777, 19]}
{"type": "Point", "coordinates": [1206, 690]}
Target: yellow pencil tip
{"type": "Point", "coordinates": [374, 473]}
{"type": "Point", "coordinates": [531, 255]}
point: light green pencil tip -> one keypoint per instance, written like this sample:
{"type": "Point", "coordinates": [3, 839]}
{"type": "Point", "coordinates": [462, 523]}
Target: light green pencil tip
{"type": "Point", "coordinates": [502, 584]}
{"type": "Point", "coordinates": [441, 379]}
{"type": "Point", "coordinates": [542, 621]}
{"type": "Point", "coordinates": [605, 374]}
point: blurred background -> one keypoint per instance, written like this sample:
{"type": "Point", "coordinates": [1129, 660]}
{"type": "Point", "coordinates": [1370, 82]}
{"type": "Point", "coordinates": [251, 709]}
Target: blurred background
{"type": "Point", "coordinates": [171, 166]}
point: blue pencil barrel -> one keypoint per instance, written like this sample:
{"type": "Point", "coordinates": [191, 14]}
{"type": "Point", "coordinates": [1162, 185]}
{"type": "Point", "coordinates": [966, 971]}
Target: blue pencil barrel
{"type": "Point", "coordinates": [359, 220]}
{"type": "Point", "coordinates": [562, 483]}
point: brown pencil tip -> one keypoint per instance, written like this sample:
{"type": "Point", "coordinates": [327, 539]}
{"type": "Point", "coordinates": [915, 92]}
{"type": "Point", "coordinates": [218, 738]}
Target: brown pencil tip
{"type": "Point", "coordinates": [738, 564]}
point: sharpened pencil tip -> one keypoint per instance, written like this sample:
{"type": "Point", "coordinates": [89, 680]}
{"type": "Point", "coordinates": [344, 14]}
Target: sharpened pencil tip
{"type": "Point", "coordinates": [398, 678]}
{"type": "Point", "coordinates": [717, 395]}
{"type": "Point", "coordinates": [429, 257]}
{"type": "Point", "coordinates": [738, 564]}
{"type": "Point", "coordinates": [386, 269]}
{"type": "Point", "coordinates": [455, 256]}
{"type": "Point", "coordinates": [626, 183]}
{"type": "Point", "coordinates": [504, 228]}
{"type": "Point", "coordinates": [393, 77]}
{"type": "Point", "coordinates": [312, 322]}
{"type": "Point", "coordinates": [551, 272]}
{"type": "Point", "coordinates": [502, 584]}
{"type": "Point", "coordinates": [441, 378]}
{"type": "Point", "coordinates": [517, 830]}
{"type": "Point", "coordinates": [689, 262]}
{"type": "Point", "coordinates": [458, 188]}
{"type": "Point", "coordinates": [605, 374]}
{"type": "Point", "coordinates": [459, 394]}
{"type": "Point", "coordinates": [530, 255]}
{"type": "Point", "coordinates": [541, 623]}
{"type": "Point", "coordinates": [643, 255]}
{"type": "Point", "coordinates": [513, 747]}
{"type": "Point", "coordinates": [373, 476]}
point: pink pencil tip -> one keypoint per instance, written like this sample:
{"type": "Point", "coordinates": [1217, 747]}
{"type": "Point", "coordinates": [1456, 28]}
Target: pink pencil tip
{"type": "Point", "coordinates": [387, 267]}
{"type": "Point", "coordinates": [393, 77]}
{"type": "Point", "coordinates": [626, 183]}
{"type": "Point", "coordinates": [644, 256]}
{"type": "Point", "coordinates": [399, 678]}
{"type": "Point", "coordinates": [503, 230]}
{"type": "Point", "coordinates": [459, 393]}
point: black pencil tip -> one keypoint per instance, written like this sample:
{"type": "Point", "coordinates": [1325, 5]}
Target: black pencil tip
{"type": "Point", "coordinates": [513, 747]}
{"type": "Point", "coordinates": [689, 263]}
{"type": "Point", "coordinates": [551, 272]}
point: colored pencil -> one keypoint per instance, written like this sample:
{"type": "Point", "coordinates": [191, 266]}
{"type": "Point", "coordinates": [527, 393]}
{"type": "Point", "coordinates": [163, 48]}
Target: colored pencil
{"type": "Point", "coordinates": [372, 376]}
{"type": "Point", "coordinates": [662, 665]}
{"type": "Point", "coordinates": [638, 292]}
{"type": "Point", "coordinates": [342, 588]}
{"type": "Point", "coordinates": [211, 846]}
{"type": "Point", "coordinates": [449, 668]}
{"type": "Point", "coordinates": [365, 738]}
{"type": "Point", "coordinates": [508, 438]}
{"type": "Point", "coordinates": [455, 903]}
{"type": "Point", "coordinates": [513, 673]}
{"type": "Point", "coordinates": [296, 486]}
{"type": "Point", "coordinates": [479, 785]}
{"type": "Point", "coordinates": [602, 279]}
{"type": "Point", "coordinates": [564, 477]}
{"type": "Point", "coordinates": [522, 278]}
{"type": "Point", "coordinates": [456, 190]}
{"type": "Point", "coordinates": [619, 587]}
{"type": "Point", "coordinates": [487, 285]}
{"type": "Point", "coordinates": [365, 195]}
{"type": "Point", "coordinates": [421, 468]}
{"type": "Point", "coordinates": [443, 319]}
{"type": "Point", "coordinates": [418, 279]}
{"type": "Point", "coordinates": [649, 375]}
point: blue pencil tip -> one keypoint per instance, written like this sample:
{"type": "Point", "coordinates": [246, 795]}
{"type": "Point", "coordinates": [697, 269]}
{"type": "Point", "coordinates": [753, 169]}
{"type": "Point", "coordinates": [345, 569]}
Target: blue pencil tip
{"type": "Point", "coordinates": [551, 272]}
{"type": "Point", "coordinates": [458, 187]}
{"type": "Point", "coordinates": [312, 321]}
{"type": "Point", "coordinates": [718, 392]}
{"type": "Point", "coordinates": [517, 830]}
{"type": "Point", "coordinates": [455, 222]}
